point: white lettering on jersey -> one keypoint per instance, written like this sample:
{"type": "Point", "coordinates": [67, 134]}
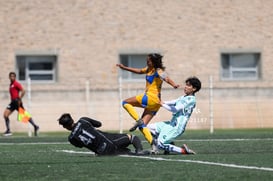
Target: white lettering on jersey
{"type": "Point", "coordinates": [86, 137]}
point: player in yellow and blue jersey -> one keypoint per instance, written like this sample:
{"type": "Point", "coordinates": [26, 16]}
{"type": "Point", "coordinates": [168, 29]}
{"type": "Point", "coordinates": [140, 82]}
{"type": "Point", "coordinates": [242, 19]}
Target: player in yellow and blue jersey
{"type": "Point", "coordinates": [166, 132]}
{"type": "Point", "coordinates": [150, 99]}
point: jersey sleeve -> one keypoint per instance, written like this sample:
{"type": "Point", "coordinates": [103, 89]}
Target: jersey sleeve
{"type": "Point", "coordinates": [94, 123]}
{"type": "Point", "coordinates": [162, 74]}
{"type": "Point", "coordinates": [18, 86]}
{"type": "Point", "coordinates": [172, 106]}
{"type": "Point", "coordinates": [144, 70]}
{"type": "Point", "coordinates": [172, 102]}
{"type": "Point", "coordinates": [186, 104]}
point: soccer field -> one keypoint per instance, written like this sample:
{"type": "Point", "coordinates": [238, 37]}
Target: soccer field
{"type": "Point", "coordinates": [225, 155]}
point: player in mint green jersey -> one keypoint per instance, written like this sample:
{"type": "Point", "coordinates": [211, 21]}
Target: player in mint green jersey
{"type": "Point", "coordinates": [166, 132]}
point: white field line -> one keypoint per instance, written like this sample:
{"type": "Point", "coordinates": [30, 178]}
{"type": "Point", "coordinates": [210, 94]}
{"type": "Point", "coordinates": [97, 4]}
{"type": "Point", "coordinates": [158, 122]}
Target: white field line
{"type": "Point", "coordinates": [181, 160]}
{"type": "Point", "coordinates": [164, 159]}
{"type": "Point", "coordinates": [77, 152]}
{"type": "Point", "coordinates": [204, 163]}
{"type": "Point", "coordinates": [37, 143]}
{"type": "Point", "coordinates": [181, 140]}
{"type": "Point", "coordinates": [229, 139]}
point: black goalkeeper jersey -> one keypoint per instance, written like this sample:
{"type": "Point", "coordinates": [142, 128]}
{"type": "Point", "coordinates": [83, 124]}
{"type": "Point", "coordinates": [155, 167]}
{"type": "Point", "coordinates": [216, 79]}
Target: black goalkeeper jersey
{"type": "Point", "coordinates": [84, 134]}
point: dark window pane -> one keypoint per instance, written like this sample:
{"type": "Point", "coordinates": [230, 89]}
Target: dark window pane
{"type": "Point", "coordinates": [21, 66]}
{"type": "Point", "coordinates": [41, 77]}
{"type": "Point", "coordinates": [40, 66]}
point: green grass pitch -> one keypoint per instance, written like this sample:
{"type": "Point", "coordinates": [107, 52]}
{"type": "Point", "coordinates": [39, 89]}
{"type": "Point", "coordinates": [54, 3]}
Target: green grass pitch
{"type": "Point", "coordinates": [224, 155]}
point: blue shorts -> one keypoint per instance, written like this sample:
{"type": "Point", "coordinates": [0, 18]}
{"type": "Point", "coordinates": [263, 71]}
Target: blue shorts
{"type": "Point", "coordinates": [149, 101]}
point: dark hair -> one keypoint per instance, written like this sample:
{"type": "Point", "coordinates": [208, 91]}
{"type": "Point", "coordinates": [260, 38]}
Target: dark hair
{"type": "Point", "coordinates": [195, 82]}
{"type": "Point", "coordinates": [157, 60]}
{"type": "Point", "coordinates": [65, 119]}
{"type": "Point", "coordinates": [12, 73]}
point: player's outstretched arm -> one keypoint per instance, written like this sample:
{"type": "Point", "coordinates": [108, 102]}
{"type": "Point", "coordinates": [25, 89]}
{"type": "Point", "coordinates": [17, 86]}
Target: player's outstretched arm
{"type": "Point", "coordinates": [164, 76]}
{"type": "Point", "coordinates": [130, 69]}
{"type": "Point", "coordinates": [173, 108]}
{"type": "Point", "coordinates": [171, 82]}
{"type": "Point", "coordinates": [94, 123]}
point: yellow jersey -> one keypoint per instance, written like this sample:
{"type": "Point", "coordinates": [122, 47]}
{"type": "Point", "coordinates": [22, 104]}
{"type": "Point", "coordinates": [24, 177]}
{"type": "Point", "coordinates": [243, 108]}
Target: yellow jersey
{"type": "Point", "coordinates": [154, 80]}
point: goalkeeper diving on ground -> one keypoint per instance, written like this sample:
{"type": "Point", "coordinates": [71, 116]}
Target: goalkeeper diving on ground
{"type": "Point", "coordinates": [85, 134]}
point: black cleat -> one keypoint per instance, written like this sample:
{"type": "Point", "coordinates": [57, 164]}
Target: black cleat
{"type": "Point", "coordinates": [143, 152]}
{"type": "Point", "coordinates": [36, 128]}
{"type": "Point", "coordinates": [7, 133]}
{"type": "Point", "coordinates": [136, 125]}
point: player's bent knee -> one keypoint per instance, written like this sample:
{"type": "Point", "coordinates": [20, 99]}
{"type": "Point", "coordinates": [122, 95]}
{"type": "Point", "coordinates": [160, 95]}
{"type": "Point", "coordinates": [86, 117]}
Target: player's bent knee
{"type": "Point", "coordinates": [124, 102]}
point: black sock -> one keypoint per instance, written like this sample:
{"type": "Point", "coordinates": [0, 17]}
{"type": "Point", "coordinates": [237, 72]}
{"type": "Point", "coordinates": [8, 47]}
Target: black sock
{"type": "Point", "coordinates": [7, 123]}
{"type": "Point", "coordinates": [32, 123]}
{"type": "Point", "coordinates": [136, 142]}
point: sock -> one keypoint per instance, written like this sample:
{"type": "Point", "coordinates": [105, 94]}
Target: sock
{"type": "Point", "coordinates": [131, 110]}
{"type": "Point", "coordinates": [173, 148]}
{"type": "Point", "coordinates": [177, 149]}
{"type": "Point", "coordinates": [136, 143]}
{"type": "Point", "coordinates": [147, 134]}
{"type": "Point", "coordinates": [183, 151]}
{"type": "Point", "coordinates": [32, 123]}
{"type": "Point", "coordinates": [7, 123]}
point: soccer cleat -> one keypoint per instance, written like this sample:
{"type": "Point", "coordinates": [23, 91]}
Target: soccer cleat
{"type": "Point", "coordinates": [154, 150]}
{"type": "Point", "coordinates": [137, 124]}
{"type": "Point", "coordinates": [166, 152]}
{"type": "Point", "coordinates": [36, 128]}
{"type": "Point", "coordinates": [7, 133]}
{"type": "Point", "coordinates": [187, 151]}
{"type": "Point", "coordinates": [143, 152]}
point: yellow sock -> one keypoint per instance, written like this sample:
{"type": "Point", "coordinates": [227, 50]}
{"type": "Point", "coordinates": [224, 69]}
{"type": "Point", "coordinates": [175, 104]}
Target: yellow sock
{"type": "Point", "coordinates": [131, 110]}
{"type": "Point", "coordinates": [147, 134]}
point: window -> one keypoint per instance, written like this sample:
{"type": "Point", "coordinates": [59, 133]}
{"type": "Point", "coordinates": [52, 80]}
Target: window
{"type": "Point", "coordinates": [240, 66]}
{"type": "Point", "coordinates": [39, 68]}
{"type": "Point", "coordinates": [135, 61]}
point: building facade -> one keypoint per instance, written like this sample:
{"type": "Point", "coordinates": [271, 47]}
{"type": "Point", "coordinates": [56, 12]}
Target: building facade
{"type": "Point", "coordinates": [64, 53]}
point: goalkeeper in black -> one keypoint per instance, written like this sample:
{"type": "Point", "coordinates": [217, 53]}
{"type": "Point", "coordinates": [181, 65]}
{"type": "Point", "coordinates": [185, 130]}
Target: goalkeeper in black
{"type": "Point", "coordinates": [85, 134]}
